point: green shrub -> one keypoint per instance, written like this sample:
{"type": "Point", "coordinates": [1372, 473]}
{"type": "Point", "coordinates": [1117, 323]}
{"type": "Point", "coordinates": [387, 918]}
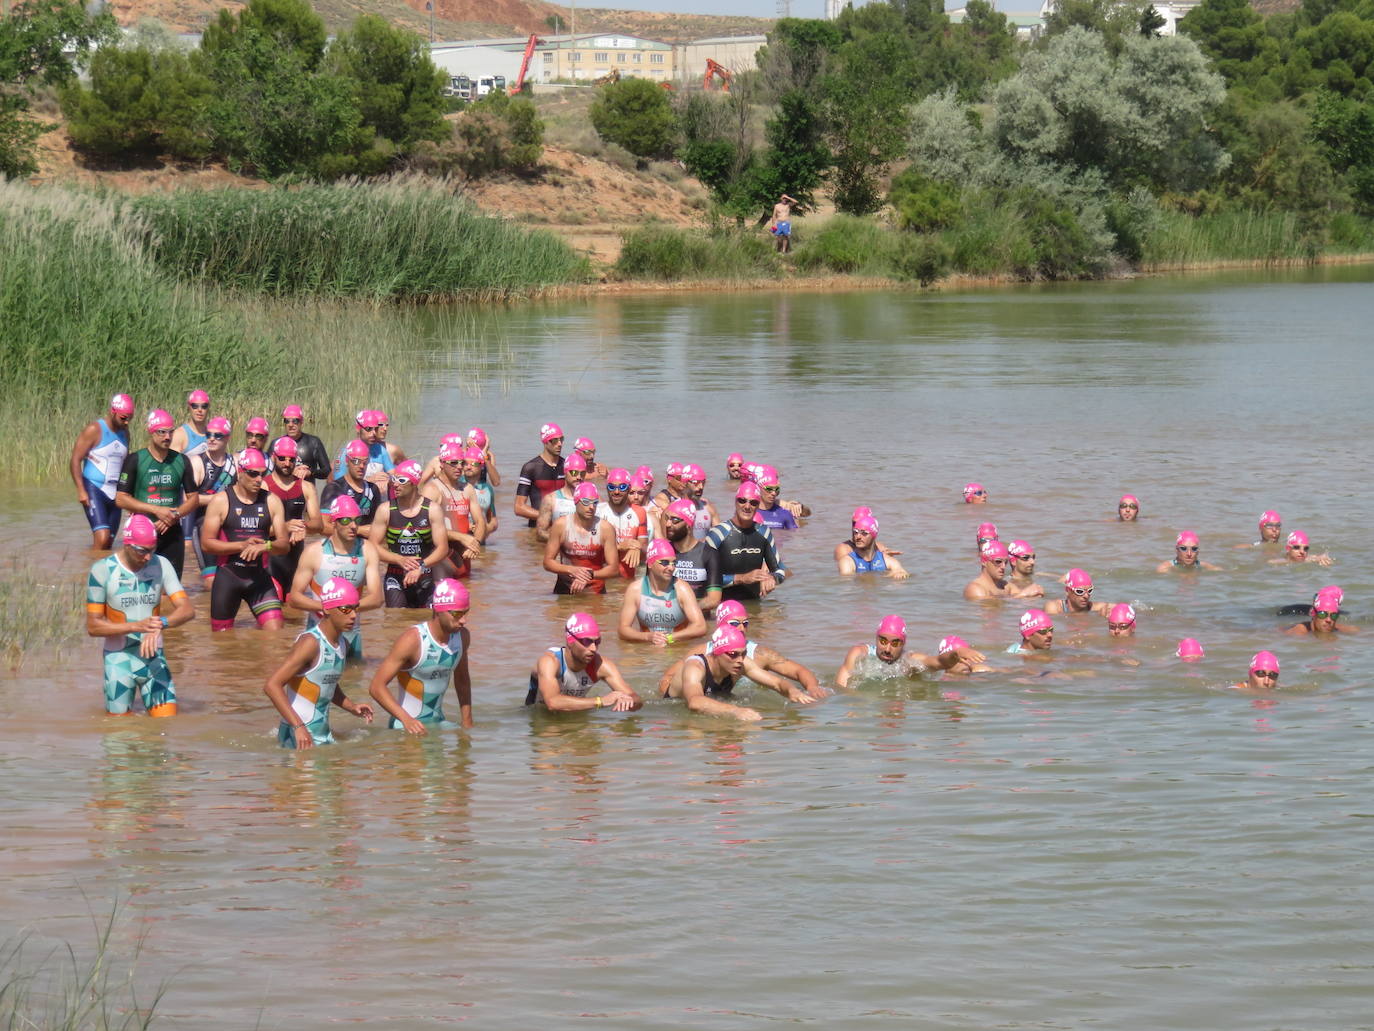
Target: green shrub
{"type": "Point", "coordinates": [848, 244]}
{"type": "Point", "coordinates": [663, 253]}
{"type": "Point", "coordinates": [496, 134]}
{"type": "Point", "coordinates": [924, 258]}
{"type": "Point", "coordinates": [924, 204]}
{"type": "Point", "coordinates": [636, 114]}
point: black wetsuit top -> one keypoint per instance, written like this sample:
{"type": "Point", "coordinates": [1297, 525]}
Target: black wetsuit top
{"type": "Point", "coordinates": [243, 520]}
{"type": "Point", "coordinates": [368, 499]}
{"type": "Point", "coordinates": [691, 568]}
{"type": "Point", "coordinates": [710, 686]}
{"type": "Point", "coordinates": [538, 478]}
{"type": "Point", "coordinates": [730, 550]}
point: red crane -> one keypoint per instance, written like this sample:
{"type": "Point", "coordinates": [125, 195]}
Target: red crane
{"type": "Point", "coordinates": [534, 41]}
{"type": "Point", "coordinates": [716, 70]}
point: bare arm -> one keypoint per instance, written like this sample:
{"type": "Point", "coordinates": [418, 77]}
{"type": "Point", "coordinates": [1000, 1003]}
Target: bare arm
{"type": "Point", "coordinates": [609, 553]}
{"type": "Point", "coordinates": [545, 519]}
{"type": "Point", "coordinates": [546, 669]}
{"type": "Point", "coordinates": [844, 559]}
{"type": "Point", "coordinates": [773, 682]}
{"type": "Point", "coordinates": [462, 682]}
{"type": "Point", "coordinates": [851, 659]}
{"type": "Point", "coordinates": [305, 573]}
{"type": "Point", "coordinates": [314, 521]}
{"type": "Point", "coordinates": [85, 440]}
{"type": "Point", "coordinates": [610, 676]}
{"type": "Point", "coordinates": [373, 595]}
{"type": "Point", "coordinates": [403, 655]}
{"type": "Point", "coordinates": [696, 620]}
{"type": "Point", "coordinates": [301, 657]}
{"type": "Point", "coordinates": [694, 694]}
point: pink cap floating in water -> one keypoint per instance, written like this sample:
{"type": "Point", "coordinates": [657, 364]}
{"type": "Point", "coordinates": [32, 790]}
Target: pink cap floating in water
{"type": "Point", "coordinates": [1121, 613]}
{"type": "Point", "coordinates": [140, 532]}
{"type": "Point", "coordinates": [971, 490]}
{"type": "Point", "coordinates": [1190, 649]}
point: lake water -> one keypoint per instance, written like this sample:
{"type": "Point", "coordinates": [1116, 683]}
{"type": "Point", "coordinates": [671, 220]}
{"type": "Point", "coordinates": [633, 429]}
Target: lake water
{"type": "Point", "coordinates": [1114, 840]}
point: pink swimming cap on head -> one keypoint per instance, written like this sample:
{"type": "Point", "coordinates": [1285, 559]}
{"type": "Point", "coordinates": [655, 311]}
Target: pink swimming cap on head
{"type": "Point", "coordinates": [993, 551]}
{"type": "Point", "coordinates": [748, 491]}
{"type": "Point", "coordinates": [1020, 549]}
{"type": "Point", "coordinates": [674, 469]}
{"type": "Point", "coordinates": [970, 489]}
{"type": "Point", "coordinates": [726, 638]}
{"type": "Point", "coordinates": [728, 610]}
{"type": "Point", "coordinates": [1328, 599]}
{"type": "Point", "coordinates": [949, 644]}
{"type": "Point", "coordinates": [584, 444]}
{"type": "Point", "coordinates": [453, 438]}
{"type": "Point", "coordinates": [450, 596]}
{"type": "Point", "coordinates": [586, 492]}
{"type": "Point", "coordinates": [475, 454]}
{"type": "Point", "coordinates": [219, 424]}
{"type": "Point", "coordinates": [344, 507]}
{"type": "Point", "coordinates": [753, 470]}
{"type": "Point", "coordinates": [867, 524]}
{"type": "Point", "coordinates": [893, 626]}
{"type": "Point", "coordinates": [1129, 497]}
{"type": "Point", "coordinates": [1297, 538]}
{"type": "Point", "coordinates": [734, 456]}
{"type": "Point", "coordinates": [987, 531]}
{"type": "Point", "coordinates": [292, 412]}
{"type": "Point", "coordinates": [1269, 516]}
{"type": "Point", "coordinates": [581, 624]}
{"type": "Point", "coordinates": [1190, 649]}
{"type": "Point", "coordinates": [477, 437]}
{"type": "Point", "coordinates": [251, 458]}
{"type": "Point", "coordinates": [140, 532]}
{"type": "Point", "coordinates": [645, 473]}
{"type": "Point", "coordinates": [575, 462]}
{"type": "Point", "coordinates": [159, 420]}
{"type": "Point", "coordinates": [638, 483]}
{"type": "Point", "coordinates": [548, 431]}
{"type": "Point", "coordinates": [1121, 613]}
{"type": "Point", "coordinates": [618, 475]}
{"type": "Point", "coordinates": [1186, 537]}
{"type": "Point", "coordinates": [337, 592]}
{"type": "Point", "coordinates": [408, 471]}
{"type": "Point", "coordinates": [365, 418]}
{"type": "Point", "coordinates": [450, 451]}
{"type": "Point", "coordinates": [694, 473]}
{"type": "Point", "coordinates": [767, 477]}
{"type": "Point", "coordinates": [285, 447]}
{"type": "Point", "coordinates": [258, 424]}
{"type": "Point", "coordinates": [198, 397]}
{"type": "Point", "coordinates": [357, 449]}
{"type": "Point", "coordinates": [660, 548]}
{"type": "Point", "coordinates": [1034, 620]}
{"type": "Point", "coordinates": [382, 417]}
{"type": "Point", "coordinates": [862, 510]}
{"type": "Point", "coordinates": [683, 509]}
{"type": "Point", "coordinates": [1078, 578]}
{"type": "Point", "coordinates": [122, 404]}
{"type": "Point", "coordinates": [1264, 660]}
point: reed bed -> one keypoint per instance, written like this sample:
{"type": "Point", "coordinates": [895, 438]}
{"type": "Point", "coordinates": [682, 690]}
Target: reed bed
{"type": "Point", "coordinates": [657, 252]}
{"type": "Point", "coordinates": [1181, 240]}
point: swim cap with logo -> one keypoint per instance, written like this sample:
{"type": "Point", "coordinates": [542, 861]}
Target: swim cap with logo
{"type": "Point", "coordinates": [258, 424]}
{"type": "Point", "coordinates": [1020, 549]}
{"type": "Point", "coordinates": [748, 491]}
{"type": "Point", "coordinates": [122, 404]}
{"type": "Point", "coordinates": [660, 548]}
{"type": "Point", "coordinates": [618, 475]}
{"type": "Point", "coordinates": [1269, 516]}
{"type": "Point", "coordinates": [866, 524]}
{"type": "Point", "coordinates": [646, 474]}
{"type": "Point", "coordinates": [1121, 613]}
{"type": "Point", "coordinates": [451, 451]}
{"type": "Point", "coordinates": [575, 462]}
{"type": "Point", "coordinates": [198, 397]}
{"type": "Point", "coordinates": [753, 470]}
{"type": "Point", "coordinates": [728, 610]}
{"type": "Point", "coordinates": [1328, 599]}
{"type": "Point", "coordinates": [1078, 578]}
{"type": "Point", "coordinates": [586, 492]}
{"type": "Point", "coordinates": [683, 509]}
{"type": "Point", "coordinates": [584, 444]}
{"type": "Point", "coordinates": [993, 551]}
{"type": "Point", "coordinates": [450, 596]}
{"type": "Point", "coordinates": [581, 624]}
{"type": "Point", "coordinates": [1187, 537]}
{"type": "Point", "coordinates": [357, 449]}
{"type": "Point", "coordinates": [477, 437]}
{"type": "Point", "coordinates": [292, 412]}
{"type": "Point", "coordinates": [366, 418]}
{"type": "Point", "coordinates": [674, 470]}
{"type": "Point", "coordinates": [408, 471]}
{"type": "Point", "coordinates": [693, 473]}
{"type": "Point", "coordinates": [1034, 620]}
{"type": "Point", "coordinates": [862, 510]}
{"type": "Point", "coordinates": [140, 532]}
{"type": "Point", "coordinates": [285, 447]}
{"type": "Point", "coordinates": [252, 459]}
{"type": "Point", "coordinates": [1264, 660]}
{"type": "Point", "coordinates": [951, 643]}
{"type": "Point", "coordinates": [159, 420]}
{"type": "Point", "coordinates": [639, 483]}
{"type": "Point", "coordinates": [219, 424]}
{"type": "Point", "coordinates": [987, 531]}
{"type": "Point", "coordinates": [453, 438]}
{"type": "Point", "coordinates": [1297, 539]}
{"type": "Point", "coordinates": [767, 477]}
{"type": "Point", "coordinates": [337, 592]}
{"type": "Point", "coordinates": [893, 626]}
{"type": "Point", "coordinates": [970, 489]}
{"type": "Point", "coordinates": [549, 431]}
{"type": "Point", "coordinates": [727, 638]}
{"type": "Point", "coordinates": [1190, 649]}
{"type": "Point", "coordinates": [344, 507]}
{"type": "Point", "coordinates": [475, 454]}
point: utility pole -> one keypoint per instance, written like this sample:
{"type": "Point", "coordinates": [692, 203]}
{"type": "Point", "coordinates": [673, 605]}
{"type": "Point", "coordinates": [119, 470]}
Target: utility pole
{"type": "Point", "coordinates": [429, 6]}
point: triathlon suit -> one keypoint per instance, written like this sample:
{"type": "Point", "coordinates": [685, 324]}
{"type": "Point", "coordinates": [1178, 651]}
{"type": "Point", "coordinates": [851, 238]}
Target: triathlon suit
{"type": "Point", "coordinates": [368, 499]}
{"type": "Point", "coordinates": [214, 478]}
{"type": "Point", "coordinates": [293, 501]}
{"type": "Point", "coordinates": [730, 550]}
{"type": "Point", "coordinates": [351, 567]}
{"type": "Point", "coordinates": [630, 524]}
{"type": "Point", "coordinates": [310, 693]}
{"type": "Point", "coordinates": [421, 688]}
{"type": "Point", "coordinates": [702, 524]}
{"type": "Point", "coordinates": [562, 504]}
{"type": "Point", "coordinates": [538, 478]}
{"type": "Point", "coordinates": [310, 449]}
{"type": "Point", "coordinates": [195, 442]}
{"type": "Point", "coordinates": [581, 548]}
{"type": "Point", "coordinates": [100, 475]}
{"type": "Point", "coordinates": [378, 460]}
{"type": "Point", "coordinates": [458, 514]}
{"type": "Point", "coordinates": [241, 580]}
{"type": "Point", "coordinates": [123, 596]}
{"type": "Point", "coordinates": [659, 611]}
{"type": "Point", "coordinates": [691, 568]}
{"type": "Point", "coordinates": [878, 564]}
{"type": "Point", "coordinates": [164, 484]}
{"type": "Point", "coordinates": [1196, 567]}
{"type": "Point", "coordinates": [570, 681]}
{"type": "Point", "coordinates": [485, 495]}
{"type": "Point", "coordinates": [712, 687]}
{"type": "Point", "coordinates": [1016, 649]}
{"type": "Point", "coordinates": [410, 536]}
{"type": "Point", "coordinates": [776, 518]}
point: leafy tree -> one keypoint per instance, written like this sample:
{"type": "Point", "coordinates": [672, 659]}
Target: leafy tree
{"type": "Point", "coordinates": [637, 115]}
{"type": "Point", "coordinates": [796, 53]}
{"type": "Point", "coordinates": [396, 85]}
{"type": "Point", "coordinates": [924, 204]}
{"type": "Point", "coordinates": [863, 103]}
{"type": "Point", "coordinates": [1114, 20]}
{"type": "Point", "coordinates": [1345, 130]}
{"type": "Point", "coordinates": [1275, 162]}
{"type": "Point", "coordinates": [946, 142]}
{"type": "Point", "coordinates": [292, 25]}
{"type": "Point", "coordinates": [1151, 21]}
{"type": "Point", "coordinates": [797, 150]}
{"type": "Point", "coordinates": [1232, 34]}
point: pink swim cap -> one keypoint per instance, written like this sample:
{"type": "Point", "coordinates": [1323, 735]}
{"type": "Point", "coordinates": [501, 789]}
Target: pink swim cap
{"type": "Point", "coordinates": [1034, 620]}
{"type": "Point", "coordinates": [584, 444]}
{"type": "Point", "coordinates": [219, 424]}
{"type": "Point", "coordinates": [140, 532]}
{"type": "Point", "coordinates": [475, 454]}
{"type": "Point", "coordinates": [1020, 549]}
{"type": "Point", "coordinates": [693, 473]}
{"type": "Point", "coordinates": [618, 475]}
{"type": "Point", "coordinates": [252, 459]}
{"type": "Point", "coordinates": [1270, 516]}
{"type": "Point", "coordinates": [357, 449]}
{"type": "Point", "coordinates": [449, 451]}
{"type": "Point", "coordinates": [646, 474]}
{"type": "Point", "coordinates": [477, 437]}
{"type": "Point", "coordinates": [292, 412]}
{"type": "Point", "coordinates": [575, 462]}
{"type": "Point", "coordinates": [1121, 613]}
{"type": "Point", "coordinates": [548, 431]}
{"type": "Point", "coordinates": [949, 644]}
{"type": "Point", "coordinates": [987, 531]}
{"type": "Point", "coordinates": [452, 438]}
{"type": "Point", "coordinates": [586, 492]}
{"type": "Point", "coordinates": [365, 417]}
{"type": "Point", "coordinates": [1186, 537]}
{"type": "Point", "coordinates": [638, 482]}
{"type": "Point", "coordinates": [450, 596]}
{"type": "Point", "coordinates": [684, 510]}
{"type": "Point", "coordinates": [1264, 660]}
{"type": "Point", "coordinates": [1298, 538]}
{"type": "Point", "coordinates": [734, 456]}
{"type": "Point", "coordinates": [674, 469]}
{"type": "Point", "coordinates": [198, 397]}
{"type": "Point", "coordinates": [970, 489]}
{"type": "Point", "coordinates": [337, 592]}
{"type": "Point", "coordinates": [867, 524]}
{"type": "Point", "coordinates": [408, 471]}
{"type": "Point", "coordinates": [728, 610]}
{"type": "Point", "coordinates": [122, 404]}
{"type": "Point", "coordinates": [1190, 649]}
{"type": "Point", "coordinates": [748, 491]}
{"type": "Point", "coordinates": [660, 548]}
{"type": "Point", "coordinates": [1328, 599]}
{"type": "Point", "coordinates": [1078, 578]}
{"type": "Point", "coordinates": [862, 510]}
{"type": "Point", "coordinates": [581, 624]}
{"type": "Point", "coordinates": [726, 638]}
{"type": "Point", "coordinates": [993, 551]}
{"type": "Point", "coordinates": [159, 420]}
{"type": "Point", "coordinates": [1129, 498]}
{"type": "Point", "coordinates": [768, 477]}
{"type": "Point", "coordinates": [344, 507]}
{"type": "Point", "coordinates": [893, 626]}
{"type": "Point", "coordinates": [382, 417]}
{"type": "Point", "coordinates": [258, 424]}
{"type": "Point", "coordinates": [285, 447]}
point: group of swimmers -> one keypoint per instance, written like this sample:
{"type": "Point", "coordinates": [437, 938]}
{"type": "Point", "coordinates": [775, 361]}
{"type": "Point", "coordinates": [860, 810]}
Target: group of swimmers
{"type": "Point", "coordinates": [388, 530]}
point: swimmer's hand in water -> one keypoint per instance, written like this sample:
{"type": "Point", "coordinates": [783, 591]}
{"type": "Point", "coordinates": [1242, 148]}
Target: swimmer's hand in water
{"type": "Point", "coordinates": [799, 696]}
{"type": "Point", "coordinates": [412, 726]}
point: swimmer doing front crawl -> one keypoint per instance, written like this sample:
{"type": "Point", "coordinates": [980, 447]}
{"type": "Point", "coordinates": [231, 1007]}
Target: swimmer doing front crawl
{"type": "Point", "coordinates": [889, 647]}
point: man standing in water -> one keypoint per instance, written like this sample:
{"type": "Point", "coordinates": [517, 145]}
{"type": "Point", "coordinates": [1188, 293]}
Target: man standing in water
{"type": "Point", "coordinates": [409, 534]}
{"type": "Point", "coordinates": [243, 527]}
{"type": "Point", "coordinates": [310, 449]}
{"type": "Point", "coordinates": [343, 555]}
{"type": "Point", "coordinates": [425, 659]}
{"type": "Point", "coordinates": [1078, 596]}
{"type": "Point", "coordinates": [364, 494]}
{"type": "Point", "coordinates": [156, 482]}
{"type": "Point", "coordinates": [581, 549]}
{"type": "Point", "coordinates": [1322, 616]}
{"type": "Point", "coordinates": [290, 481]}
{"type": "Point", "coordinates": [542, 474]}
{"type": "Point", "coordinates": [1021, 556]}
{"type": "Point", "coordinates": [97, 457]}
{"type": "Point", "coordinates": [123, 593]}
{"type": "Point", "coordinates": [191, 433]}
{"type": "Point", "coordinates": [563, 677]}
{"type": "Point", "coordinates": [742, 561]}
{"type": "Point", "coordinates": [782, 223]}
{"type": "Point", "coordinates": [991, 581]}
{"type": "Point", "coordinates": [1186, 548]}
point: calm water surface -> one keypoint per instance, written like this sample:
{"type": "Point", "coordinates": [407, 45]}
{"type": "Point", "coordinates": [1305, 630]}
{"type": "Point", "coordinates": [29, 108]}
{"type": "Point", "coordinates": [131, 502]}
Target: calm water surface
{"type": "Point", "coordinates": [1116, 840]}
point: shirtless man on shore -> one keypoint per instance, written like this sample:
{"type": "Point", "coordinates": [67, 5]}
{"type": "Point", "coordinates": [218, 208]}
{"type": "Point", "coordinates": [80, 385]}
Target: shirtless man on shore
{"type": "Point", "coordinates": [781, 225]}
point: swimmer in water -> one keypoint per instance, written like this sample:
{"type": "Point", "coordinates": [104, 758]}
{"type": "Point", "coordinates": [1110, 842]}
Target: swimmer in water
{"type": "Point", "coordinates": [1121, 621]}
{"type": "Point", "coordinates": [734, 466]}
{"type": "Point", "coordinates": [861, 554]}
{"type": "Point", "coordinates": [1186, 551]}
{"type": "Point", "coordinates": [660, 609]}
{"type": "Point", "coordinates": [1264, 673]}
{"type": "Point", "coordinates": [985, 532]}
{"type": "Point", "coordinates": [975, 494]}
{"type": "Point", "coordinates": [732, 613]}
{"type": "Point", "coordinates": [705, 681]}
{"type": "Point", "coordinates": [991, 581]}
{"type": "Point", "coordinates": [563, 677]}
{"type": "Point", "coordinates": [1128, 509]}
{"type": "Point", "coordinates": [1037, 635]}
{"type": "Point", "coordinates": [586, 447]}
{"type": "Point", "coordinates": [773, 513]}
{"type": "Point", "coordinates": [1322, 617]}
{"type": "Point", "coordinates": [1190, 650]}
{"type": "Point", "coordinates": [1297, 549]}
{"type": "Point", "coordinates": [1270, 529]}
{"type": "Point", "coordinates": [581, 550]}
{"type": "Point", "coordinates": [306, 684]}
{"type": "Point", "coordinates": [425, 659]}
{"type": "Point", "coordinates": [1021, 573]}
{"type": "Point", "coordinates": [542, 474]}
{"type": "Point", "coordinates": [559, 503]}
{"type": "Point", "coordinates": [1078, 596]}
{"type": "Point", "coordinates": [889, 648]}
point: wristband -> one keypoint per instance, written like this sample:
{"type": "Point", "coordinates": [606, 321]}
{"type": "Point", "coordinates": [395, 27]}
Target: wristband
{"type": "Point", "coordinates": [164, 622]}
{"type": "Point", "coordinates": [670, 637]}
{"type": "Point", "coordinates": [598, 701]}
